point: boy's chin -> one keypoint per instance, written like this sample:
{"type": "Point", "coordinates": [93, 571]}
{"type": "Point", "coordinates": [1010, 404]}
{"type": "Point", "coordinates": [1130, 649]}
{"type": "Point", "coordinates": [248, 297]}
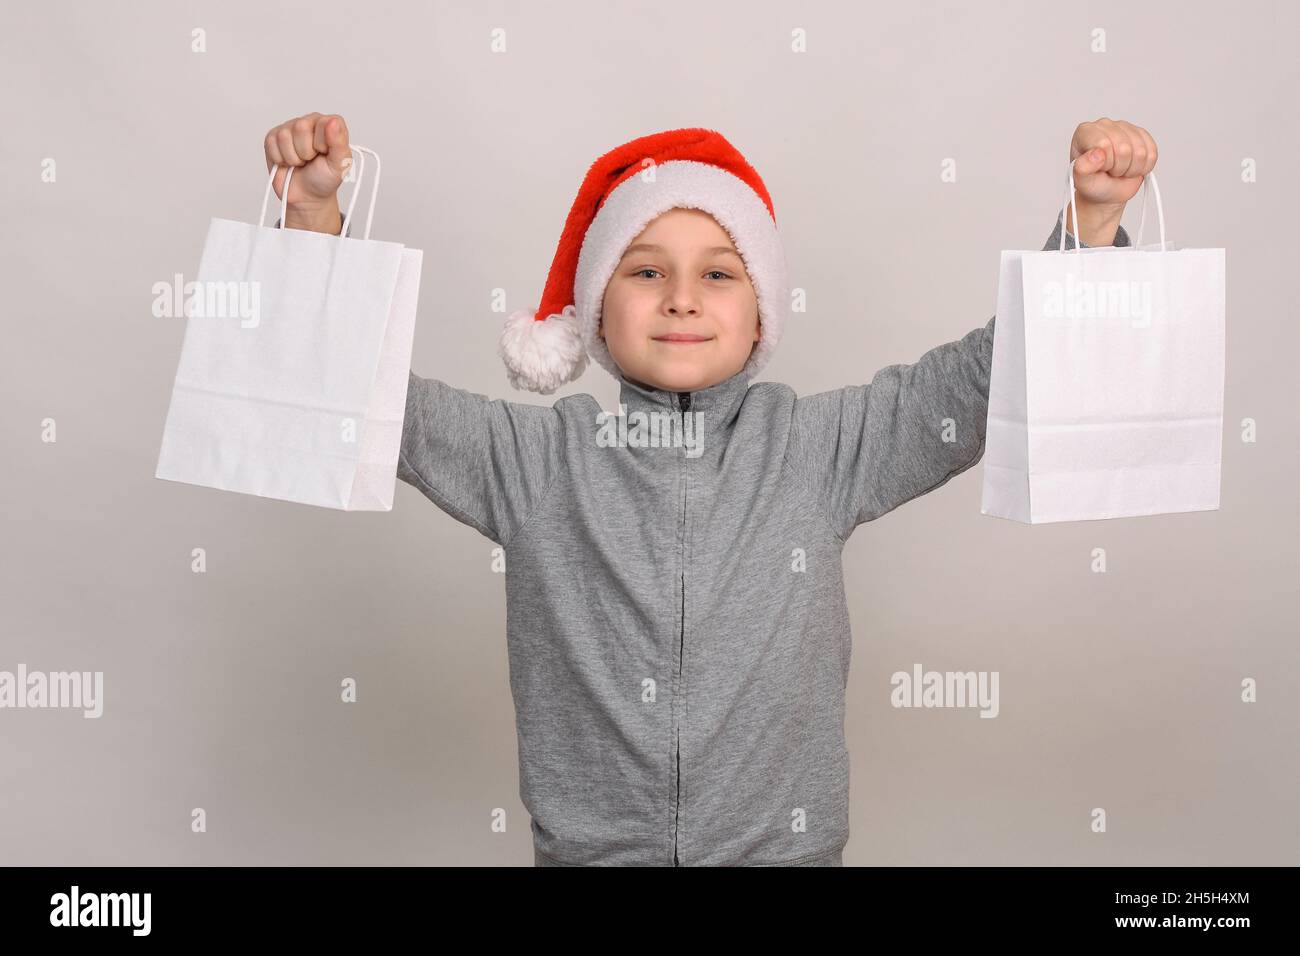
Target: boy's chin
{"type": "Point", "coordinates": [676, 376]}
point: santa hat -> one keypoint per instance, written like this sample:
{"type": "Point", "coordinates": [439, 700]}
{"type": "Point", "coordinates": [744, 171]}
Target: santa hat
{"type": "Point", "coordinates": [624, 190]}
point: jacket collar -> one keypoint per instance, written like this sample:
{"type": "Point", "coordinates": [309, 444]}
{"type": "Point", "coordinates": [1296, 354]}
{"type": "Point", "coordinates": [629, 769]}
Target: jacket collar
{"type": "Point", "coordinates": [719, 402]}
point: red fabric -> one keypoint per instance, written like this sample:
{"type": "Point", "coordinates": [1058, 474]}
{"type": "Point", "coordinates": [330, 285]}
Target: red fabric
{"type": "Point", "coordinates": [611, 169]}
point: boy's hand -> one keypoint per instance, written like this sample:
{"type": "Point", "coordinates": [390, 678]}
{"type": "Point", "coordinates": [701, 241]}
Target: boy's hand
{"type": "Point", "coordinates": [1111, 157]}
{"type": "Point", "coordinates": [316, 145]}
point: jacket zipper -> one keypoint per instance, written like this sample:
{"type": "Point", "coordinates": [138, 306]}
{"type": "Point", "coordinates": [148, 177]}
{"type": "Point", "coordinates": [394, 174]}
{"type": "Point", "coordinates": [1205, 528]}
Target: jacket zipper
{"type": "Point", "coordinates": [685, 398]}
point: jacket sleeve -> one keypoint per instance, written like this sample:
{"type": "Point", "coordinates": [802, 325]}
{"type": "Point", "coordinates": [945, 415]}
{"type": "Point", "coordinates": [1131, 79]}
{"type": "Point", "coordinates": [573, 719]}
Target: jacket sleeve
{"type": "Point", "coordinates": [486, 462]}
{"type": "Point", "coordinates": [864, 450]}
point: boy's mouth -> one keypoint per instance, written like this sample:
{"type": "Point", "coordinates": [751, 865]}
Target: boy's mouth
{"type": "Point", "coordinates": [682, 338]}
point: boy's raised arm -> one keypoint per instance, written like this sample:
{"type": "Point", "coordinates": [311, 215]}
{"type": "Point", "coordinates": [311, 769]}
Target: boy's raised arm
{"type": "Point", "coordinates": [488, 463]}
{"type": "Point", "coordinates": [864, 450]}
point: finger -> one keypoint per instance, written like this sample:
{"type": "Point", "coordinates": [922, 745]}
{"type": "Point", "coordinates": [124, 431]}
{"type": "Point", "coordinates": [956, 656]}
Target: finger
{"type": "Point", "coordinates": [272, 148]}
{"type": "Point", "coordinates": [337, 151]}
{"type": "Point", "coordinates": [318, 132]}
{"type": "Point", "coordinates": [1152, 152]}
{"type": "Point", "coordinates": [1138, 146]}
{"type": "Point", "coordinates": [1096, 135]}
{"type": "Point", "coordinates": [284, 139]}
{"type": "Point", "coordinates": [1084, 139]}
{"type": "Point", "coordinates": [274, 159]}
{"type": "Point", "coordinates": [1090, 162]}
{"type": "Point", "coordinates": [303, 128]}
{"type": "Point", "coordinates": [1122, 147]}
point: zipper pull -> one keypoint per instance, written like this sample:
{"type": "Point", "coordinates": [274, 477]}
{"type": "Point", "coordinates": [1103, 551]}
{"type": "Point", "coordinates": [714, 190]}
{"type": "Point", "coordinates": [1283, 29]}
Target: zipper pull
{"type": "Point", "coordinates": [686, 400]}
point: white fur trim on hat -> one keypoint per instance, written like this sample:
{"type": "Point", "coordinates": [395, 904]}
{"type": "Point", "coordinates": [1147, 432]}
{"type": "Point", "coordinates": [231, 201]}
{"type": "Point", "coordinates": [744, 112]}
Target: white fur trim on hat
{"type": "Point", "coordinates": [540, 356]}
{"type": "Point", "coordinates": [635, 203]}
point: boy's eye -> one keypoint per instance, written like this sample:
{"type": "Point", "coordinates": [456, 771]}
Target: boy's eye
{"type": "Point", "coordinates": [640, 273]}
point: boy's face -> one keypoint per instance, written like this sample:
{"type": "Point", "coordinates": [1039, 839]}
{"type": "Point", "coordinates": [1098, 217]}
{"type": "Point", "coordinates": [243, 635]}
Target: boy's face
{"type": "Point", "coordinates": [680, 313]}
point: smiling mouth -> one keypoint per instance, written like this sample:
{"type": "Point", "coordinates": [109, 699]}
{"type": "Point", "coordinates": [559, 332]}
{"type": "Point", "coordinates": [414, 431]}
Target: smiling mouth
{"type": "Point", "coordinates": [681, 338]}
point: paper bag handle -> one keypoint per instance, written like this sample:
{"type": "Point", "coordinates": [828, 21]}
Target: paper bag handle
{"type": "Point", "coordinates": [1142, 221]}
{"type": "Point", "coordinates": [1149, 178]}
{"type": "Point", "coordinates": [356, 189]}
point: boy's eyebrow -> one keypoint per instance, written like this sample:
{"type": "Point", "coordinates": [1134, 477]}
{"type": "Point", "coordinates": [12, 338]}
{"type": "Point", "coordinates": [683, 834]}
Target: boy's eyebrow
{"type": "Point", "coordinates": [650, 247]}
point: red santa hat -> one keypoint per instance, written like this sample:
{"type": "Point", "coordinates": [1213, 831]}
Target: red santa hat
{"type": "Point", "coordinates": [623, 192]}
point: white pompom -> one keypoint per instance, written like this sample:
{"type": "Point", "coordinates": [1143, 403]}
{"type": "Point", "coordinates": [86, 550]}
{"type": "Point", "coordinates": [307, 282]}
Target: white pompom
{"type": "Point", "coordinates": [542, 356]}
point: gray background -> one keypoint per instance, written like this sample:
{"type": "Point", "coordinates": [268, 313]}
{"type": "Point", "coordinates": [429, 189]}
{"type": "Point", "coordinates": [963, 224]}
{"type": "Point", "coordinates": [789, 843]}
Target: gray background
{"type": "Point", "coordinates": [1118, 690]}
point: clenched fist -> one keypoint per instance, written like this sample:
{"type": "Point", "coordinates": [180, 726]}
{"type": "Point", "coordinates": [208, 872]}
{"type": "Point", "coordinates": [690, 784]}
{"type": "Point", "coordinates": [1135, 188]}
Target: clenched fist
{"type": "Point", "coordinates": [1111, 158]}
{"type": "Point", "coordinates": [316, 146]}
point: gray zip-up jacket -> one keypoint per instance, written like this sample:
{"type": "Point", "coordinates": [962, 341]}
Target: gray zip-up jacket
{"type": "Point", "coordinates": [678, 633]}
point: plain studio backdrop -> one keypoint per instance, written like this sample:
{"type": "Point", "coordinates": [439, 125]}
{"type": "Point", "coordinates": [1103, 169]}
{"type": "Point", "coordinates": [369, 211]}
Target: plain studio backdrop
{"type": "Point", "coordinates": [1119, 690]}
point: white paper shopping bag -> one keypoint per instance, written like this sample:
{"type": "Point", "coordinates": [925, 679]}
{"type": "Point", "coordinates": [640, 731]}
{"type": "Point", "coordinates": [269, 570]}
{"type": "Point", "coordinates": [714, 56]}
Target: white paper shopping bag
{"type": "Point", "coordinates": [1106, 391]}
{"type": "Point", "coordinates": [302, 396]}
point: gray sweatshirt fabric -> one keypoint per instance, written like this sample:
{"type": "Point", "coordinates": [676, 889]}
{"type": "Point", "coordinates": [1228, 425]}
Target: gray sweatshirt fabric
{"type": "Point", "coordinates": [676, 621]}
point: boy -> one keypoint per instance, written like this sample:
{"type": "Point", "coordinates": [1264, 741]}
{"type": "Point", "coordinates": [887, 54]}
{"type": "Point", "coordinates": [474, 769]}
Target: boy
{"type": "Point", "coordinates": [677, 626]}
